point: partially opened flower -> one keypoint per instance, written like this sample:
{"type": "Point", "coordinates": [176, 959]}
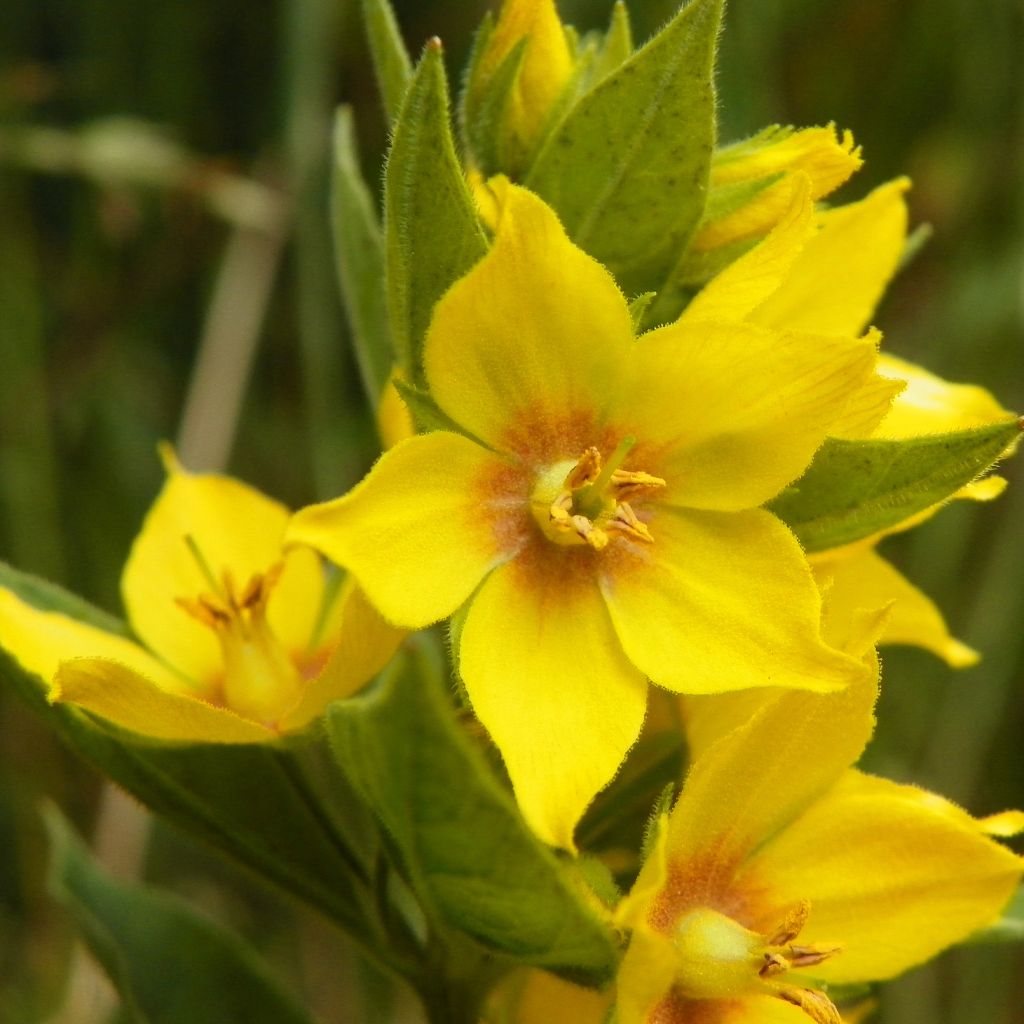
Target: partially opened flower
{"type": "Point", "coordinates": [600, 513]}
{"type": "Point", "coordinates": [780, 871]}
{"type": "Point", "coordinates": [824, 272]}
{"type": "Point", "coordinates": [238, 641]}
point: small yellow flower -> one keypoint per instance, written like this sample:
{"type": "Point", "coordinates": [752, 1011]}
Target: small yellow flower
{"type": "Point", "coordinates": [606, 526]}
{"type": "Point", "coordinates": [236, 645]}
{"type": "Point", "coordinates": [781, 870]}
{"type": "Point", "coordinates": [825, 272]}
{"type": "Point", "coordinates": [547, 66]}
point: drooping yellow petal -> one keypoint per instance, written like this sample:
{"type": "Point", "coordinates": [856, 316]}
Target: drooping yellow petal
{"type": "Point", "coordinates": [867, 407]}
{"type": "Point", "coordinates": [546, 66]}
{"type": "Point", "coordinates": [759, 776]}
{"type": "Point", "coordinates": [363, 644]}
{"type": "Point", "coordinates": [836, 281]}
{"type": "Point", "coordinates": [40, 640]}
{"type": "Point", "coordinates": [237, 529]}
{"type": "Point", "coordinates": [743, 285]}
{"type": "Point", "coordinates": [394, 421]}
{"type": "Point", "coordinates": [819, 153]}
{"type": "Point", "coordinates": [722, 602]}
{"type": "Point", "coordinates": [894, 880]}
{"type": "Point", "coordinates": [416, 532]}
{"type": "Point", "coordinates": [123, 696]}
{"type": "Point", "coordinates": [741, 409]}
{"type": "Point", "coordinates": [865, 580]}
{"type": "Point", "coordinates": [547, 677]}
{"type": "Point", "coordinates": [930, 405]}
{"type": "Point", "coordinates": [531, 334]}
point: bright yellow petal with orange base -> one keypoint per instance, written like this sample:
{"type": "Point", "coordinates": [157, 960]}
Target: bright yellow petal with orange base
{"type": "Point", "coordinates": [930, 405]}
{"type": "Point", "coordinates": [123, 696]}
{"type": "Point", "coordinates": [416, 532]}
{"type": "Point", "coordinates": [894, 880]}
{"type": "Point", "coordinates": [645, 977]}
{"type": "Point", "coordinates": [722, 601]}
{"type": "Point", "coordinates": [548, 679]}
{"type": "Point", "coordinates": [532, 336]}
{"type": "Point", "coordinates": [740, 409]}
{"type": "Point", "coordinates": [837, 280]}
{"type": "Point", "coordinates": [237, 529]}
{"type": "Point", "coordinates": [40, 640]}
{"type": "Point", "coordinates": [364, 643]}
{"type": "Point", "coordinates": [758, 777]}
{"type": "Point", "coordinates": [865, 580]}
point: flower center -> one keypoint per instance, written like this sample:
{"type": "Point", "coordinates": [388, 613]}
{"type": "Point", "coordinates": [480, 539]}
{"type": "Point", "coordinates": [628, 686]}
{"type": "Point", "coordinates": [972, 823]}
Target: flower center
{"type": "Point", "coordinates": [719, 959]}
{"type": "Point", "coordinates": [261, 681]}
{"type": "Point", "coordinates": [589, 500]}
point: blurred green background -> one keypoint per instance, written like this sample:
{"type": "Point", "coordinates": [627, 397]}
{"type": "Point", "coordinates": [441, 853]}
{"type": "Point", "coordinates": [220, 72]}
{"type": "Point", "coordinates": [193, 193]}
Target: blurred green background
{"type": "Point", "coordinates": [163, 179]}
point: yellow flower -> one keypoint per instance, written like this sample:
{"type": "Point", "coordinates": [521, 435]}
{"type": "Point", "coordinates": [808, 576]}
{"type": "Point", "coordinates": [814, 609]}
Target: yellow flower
{"type": "Point", "coordinates": [547, 66]}
{"type": "Point", "coordinates": [821, 154]}
{"type": "Point", "coordinates": [238, 641]}
{"type": "Point", "coordinates": [532, 996]}
{"type": "Point", "coordinates": [825, 273]}
{"type": "Point", "coordinates": [781, 870]}
{"type": "Point", "coordinates": [606, 524]}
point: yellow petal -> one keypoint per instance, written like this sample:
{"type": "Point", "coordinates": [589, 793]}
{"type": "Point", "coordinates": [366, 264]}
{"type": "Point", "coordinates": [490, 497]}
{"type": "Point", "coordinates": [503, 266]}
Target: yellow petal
{"type": "Point", "coordinates": [415, 532]}
{"type": "Point", "coordinates": [394, 421]}
{"type": "Point", "coordinates": [363, 643]}
{"type": "Point", "coordinates": [645, 978]}
{"type": "Point", "coordinates": [740, 409]}
{"type": "Point", "coordinates": [759, 776]}
{"type": "Point", "coordinates": [819, 153]}
{"type": "Point", "coordinates": [536, 997]}
{"type": "Point", "coordinates": [836, 281]}
{"type": "Point", "coordinates": [40, 640]}
{"type": "Point", "coordinates": [723, 601]}
{"type": "Point", "coordinates": [743, 285]}
{"type": "Point", "coordinates": [930, 405]}
{"type": "Point", "coordinates": [123, 696]}
{"type": "Point", "coordinates": [546, 68]}
{"type": "Point", "coordinates": [867, 407]}
{"type": "Point", "coordinates": [548, 679]}
{"type": "Point", "coordinates": [894, 880]}
{"type": "Point", "coordinates": [237, 529]}
{"type": "Point", "coordinates": [531, 334]}
{"type": "Point", "coordinates": [865, 580]}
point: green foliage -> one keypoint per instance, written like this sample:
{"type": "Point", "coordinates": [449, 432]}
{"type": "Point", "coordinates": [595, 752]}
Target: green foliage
{"type": "Point", "coordinates": [627, 167]}
{"type": "Point", "coordinates": [854, 489]}
{"type": "Point", "coordinates": [1009, 927]}
{"type": "Point", "coordinates": [466, 851]}
{"type": "Point", "coordinates": [431, 229]}
{"type": "Point", "coordinates": [391, 62]}
{"type": "Point", "coordinates": [617, 45]}
{"type": "Point", "coordinates": [169, 964]}
{"type": "Point", "coordinates": [359, 256]}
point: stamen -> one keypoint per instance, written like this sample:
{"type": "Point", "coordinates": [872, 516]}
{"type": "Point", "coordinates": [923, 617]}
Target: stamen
{"type": "Point", "coordinates": [590, 497]}
{"type": "Point", "coordinates": [204, 565]}
{"type": "Point", "coordinates": [815, 1004]}
{"type": "Point", "coordinates": [792, 925]}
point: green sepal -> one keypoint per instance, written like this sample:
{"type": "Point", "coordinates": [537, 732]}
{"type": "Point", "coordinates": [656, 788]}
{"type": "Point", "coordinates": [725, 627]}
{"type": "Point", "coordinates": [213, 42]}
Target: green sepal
{"type": "Point", "coordinates": [432, 233]}
{"type": "Point", "coordinates": [627, 167]}
{"type": "Point", "coordinates": [359, 257]}
{"type": "Point", "coordinates": [426, 413]}
{"type": "Point", "coordinates": [169, 964]}
{"type": "Point", "coordinates": [854, 489]}
{"type": "Point", "coordinates": [638, 309]}
{"type": "Point", "coordinates": [391, 63]}
{"type": "Point", "coordinates": [467, 853]}
{"type": "Point", "coordinates": [617, 45]}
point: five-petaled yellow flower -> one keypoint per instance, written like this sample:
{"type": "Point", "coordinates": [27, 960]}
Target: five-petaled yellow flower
{"type": "Point", "coordinates": [240, 642]}
{"type": "Point", "coordinates": [781, 870]}
{"type": "Point", "coordinates": [599, 517]}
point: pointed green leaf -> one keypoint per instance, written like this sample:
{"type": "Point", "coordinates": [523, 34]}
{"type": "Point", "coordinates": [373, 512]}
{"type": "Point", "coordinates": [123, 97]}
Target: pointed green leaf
{"type": "Point", "coordinates": [627, 168]}
{"type": "Point", "coordinates": [854, 489]}
{"type": "Point", "coordinates": [617, 46]}
{"type": "Point", "coordinates": [359, 254]}
{"type": "Point", "coordinates": [391, 62]}
{"type": "Point", "coordinates": [170, 964]}
{"type": "Point", "coordinates": [467, 852]}
{"type": "Point", "coordinates": [432, 232]}
{"type": "Point", "coordinates": [483, 111]}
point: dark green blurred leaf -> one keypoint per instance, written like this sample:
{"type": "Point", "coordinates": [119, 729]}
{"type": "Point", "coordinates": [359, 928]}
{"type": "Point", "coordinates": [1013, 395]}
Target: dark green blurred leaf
{"type": "Point", "coordinates": [170, 965]}
{"type": "Point", "coordinates": [854, 489]}
{"type": "Point", "coordinates": [391, 62]}
{"type": "Point", "coordinates": [467, 851]}
{"type": "Point", "coordinates": [627, 168]}
{"type": "Point", "coordinates": [432, 233]}
{"type": "Point", "coordinates": [359, 253]}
